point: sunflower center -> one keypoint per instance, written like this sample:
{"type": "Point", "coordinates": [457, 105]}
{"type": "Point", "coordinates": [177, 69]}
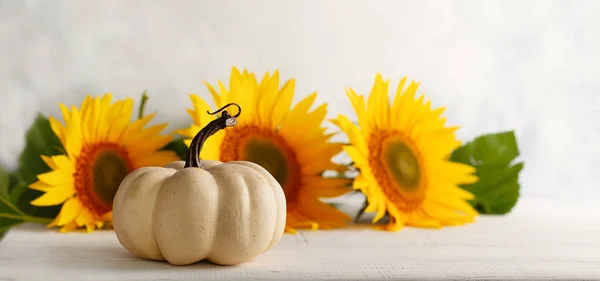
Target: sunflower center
{"type": "Point", "coordinates": [402, 164]}
{"type": "Point", "coordinates": [269, 156]}
{"type": "Point", "coordinates": [100, 170]}
{"type": "Point", "coordinates": [397, 167]}
{"type": "Point", "coordinates": [109, 170]}
{"type": "Point", "coordinates": [267, 149]}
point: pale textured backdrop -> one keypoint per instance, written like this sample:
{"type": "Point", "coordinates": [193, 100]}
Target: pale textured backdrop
{"type": "Point", "coordinates": [532, 66]}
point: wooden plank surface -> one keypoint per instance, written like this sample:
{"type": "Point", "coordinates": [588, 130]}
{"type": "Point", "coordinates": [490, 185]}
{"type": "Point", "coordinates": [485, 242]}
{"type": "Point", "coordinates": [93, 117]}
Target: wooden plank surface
{"type": "Point", "coordinates": [536, 242]}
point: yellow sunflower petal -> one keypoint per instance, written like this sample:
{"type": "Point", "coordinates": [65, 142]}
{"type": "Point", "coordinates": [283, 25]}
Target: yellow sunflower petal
{"type": "Point", "coordinates": [297, 116]}
{"type": "Point", "coordinates": [84, 217]}
{"type": "Point", "coordinates": [133, 129]}
{"type": "Point", "coordinates": [268, 92]}
{"type": "Point", "coordinates": [63, 163]}
{"type": "Point", "coordinates": [354, 134]}
{"type": "Point", "coordinates": [359, 159]}
{"type": "Point", "coordinates": [158, 158]}
{"type": "Point", "coordinates": [148, 145]}
{"type": "Point", "coordinates": [88, 118]}
{"type": "Point", "coordinates": [320, 165]}
{"type": "Point", "coordinates": [360, 182]}
{"type": "Point", "coordinates": [57, 177]}
{"type": "Point", "coordinates": [241, 90]}
{"type": "Point", "coordinates": [41, 186]}
{"type": "Point", "coordinates": [65, 113]}
{"type": "Point", "coordinates": [53, 197]}
{"type": "Point", "coordinates": [397, 219]}
{"type": "Point", "coordinates": [458, 173]}
{"type": "Point", "coordinates": [107, 217]}
{"type": "Point", "coordinates": [74, 138]}
{"type": "Point", "coordinates": [379, 103]}
{"type": "Point", "coordinates": [54, 222]}
{"type": "Point", "coordinates": [283, 102]}
{"type": "Point", "coordinates": [224, 93]}
{"type": "Point", "coordinates": [327, 187]}
{"type": "Point", "coordinates": [310, 122]}
{"type": "Point", "coordinates": [49, 162]}
{"type": "Point", "coordinates": [103, 115]}
{"type": "Point", "coordinates": [215, 95]}
{"type": "Point", "coordinates": [297, 220]}
{"type": "Point", "coordinates": [358, 103]}
{"type": "Point", "coordinates": [69, 211]}
{"type": "Point", "coordinates": [145, 135]}
{"type": "Point", "coordinates": [121, 127]}
{"type": "Point", "coordinates": [58, 129]}
{"type": "Point", "coordinates": [419, 219]}
{"type": "Point", "coordinates": [199, 112]}
{"type": "Point", "coordinates": [404, 106]}
{"type": "Point", "coordinates": [69, 227]}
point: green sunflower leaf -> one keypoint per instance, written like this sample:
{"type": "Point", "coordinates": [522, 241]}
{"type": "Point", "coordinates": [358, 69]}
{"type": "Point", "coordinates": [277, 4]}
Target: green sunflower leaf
{"type": "Point", "coordinates": [40, 140]}
{"type": "Point", "coordinates": [179, 147]}
{"type": "Point", "coordinates": [5, 204]}
{"type": "Point", "coordinates": [493, 155]}
{"type": "Point", "coordinates": [4, 183]}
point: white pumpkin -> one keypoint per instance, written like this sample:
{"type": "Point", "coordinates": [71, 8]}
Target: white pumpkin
{"type": "Point", "coordinates": [186, 212]}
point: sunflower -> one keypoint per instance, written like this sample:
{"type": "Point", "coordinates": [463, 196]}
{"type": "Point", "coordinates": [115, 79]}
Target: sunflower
{"type": "Point", "coordinates": [402, 152]}
{"type": "Point", "coordinates": [101, 147]}
{"type": "Point", "coordinates": [289, 143]}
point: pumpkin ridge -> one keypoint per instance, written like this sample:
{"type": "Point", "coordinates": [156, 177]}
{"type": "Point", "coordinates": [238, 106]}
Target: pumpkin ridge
{"type": "Point", "coordinates": [125, 237]}
{"type": "Point", "coordinates": [251, 173]}
{"type": "Point", "coordinates": [135, 190]}
{"type": "Point", "coordinates": [272, 182]}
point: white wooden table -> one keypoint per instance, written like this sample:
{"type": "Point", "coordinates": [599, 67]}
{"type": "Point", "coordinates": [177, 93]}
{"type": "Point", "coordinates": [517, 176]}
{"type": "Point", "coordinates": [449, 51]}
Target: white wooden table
{"type": "Point", "coordinates": [538, 241]}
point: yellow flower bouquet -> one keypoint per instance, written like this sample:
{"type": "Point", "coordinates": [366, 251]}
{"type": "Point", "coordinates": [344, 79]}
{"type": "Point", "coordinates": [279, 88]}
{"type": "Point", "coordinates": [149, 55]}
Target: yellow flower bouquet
{"type": "Point", "coordinates": [407, 163]}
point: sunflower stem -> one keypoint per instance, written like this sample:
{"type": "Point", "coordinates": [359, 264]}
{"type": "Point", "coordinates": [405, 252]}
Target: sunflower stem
{"type": "Point", "coordinates": [226, 120]}
{"type": "Point", "coordinates": [11, 206]}
{"type": "Point", "coordinates": [143, 104]}
{"type": "Point", "coordinates": [361, 212]}
{"type": "Point", "coordinates": [25, 218]}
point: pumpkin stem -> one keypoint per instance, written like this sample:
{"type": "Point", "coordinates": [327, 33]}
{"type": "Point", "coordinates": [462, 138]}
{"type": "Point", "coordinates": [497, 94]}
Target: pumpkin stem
{"type": "Point", "coordinates": [192, 158]}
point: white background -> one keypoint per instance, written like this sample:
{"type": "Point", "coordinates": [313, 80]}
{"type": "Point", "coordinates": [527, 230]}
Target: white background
{"type": "Point", "coordinates": [531, 66]}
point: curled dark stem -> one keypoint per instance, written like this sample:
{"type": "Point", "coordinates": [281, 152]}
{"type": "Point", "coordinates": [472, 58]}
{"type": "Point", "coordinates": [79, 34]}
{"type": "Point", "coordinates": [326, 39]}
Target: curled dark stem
{"type": "Point", "coordinates": [225, 106]}
{"type": "Point", "coordinates": [192, 158]}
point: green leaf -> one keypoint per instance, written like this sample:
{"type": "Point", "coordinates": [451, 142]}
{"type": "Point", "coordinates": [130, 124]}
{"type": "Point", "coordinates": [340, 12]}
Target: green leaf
{"type": "Point", "coordinates": [493, 155]}
{"type": "Point", "coordinates": [4, 182]}
{"type": "Point", "coordinates": [40, 140]}
{"type": "Point", "coordinates": [179, 147]}
{"type": "Point", "coordinates": [5, 223]}
{"type": "Point", "coordinates": [15, 195]}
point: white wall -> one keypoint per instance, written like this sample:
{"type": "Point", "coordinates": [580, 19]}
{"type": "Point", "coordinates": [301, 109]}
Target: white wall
{"type": "Point", "coordinates": [532, 66]}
